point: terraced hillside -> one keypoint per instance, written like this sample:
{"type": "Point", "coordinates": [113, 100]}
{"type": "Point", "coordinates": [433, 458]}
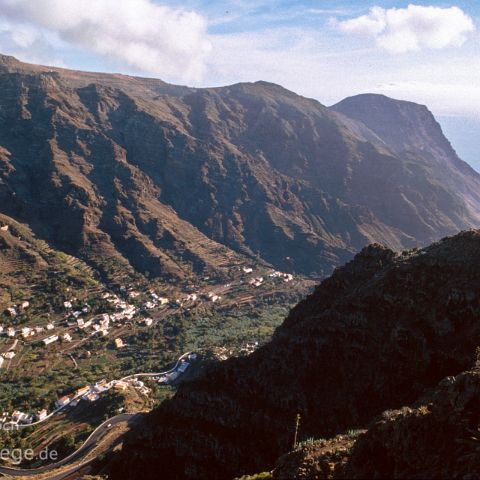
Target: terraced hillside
{"type": "Point", "coordinates": [29, 266]}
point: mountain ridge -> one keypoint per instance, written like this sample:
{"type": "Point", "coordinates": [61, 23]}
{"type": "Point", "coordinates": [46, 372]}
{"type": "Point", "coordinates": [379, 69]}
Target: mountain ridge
{"type": "Point", "coordinates": [260, 171]}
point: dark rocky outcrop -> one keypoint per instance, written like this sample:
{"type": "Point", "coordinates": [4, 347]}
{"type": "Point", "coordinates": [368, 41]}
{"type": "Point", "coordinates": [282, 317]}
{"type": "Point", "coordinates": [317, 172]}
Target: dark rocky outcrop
{"type": "Point", "coordinates": [437, 437]}
{"type": "Point", "coordinates": [376, 335]}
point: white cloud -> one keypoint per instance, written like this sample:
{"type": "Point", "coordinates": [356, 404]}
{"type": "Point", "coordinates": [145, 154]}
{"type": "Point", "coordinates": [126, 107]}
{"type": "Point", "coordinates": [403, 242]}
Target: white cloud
{"type": "Point", "coordinates": [28, 43]}
{"type": "Point", "coordinates": [138, 34]}
{"type": "Point", "coordinates": [413, 28]}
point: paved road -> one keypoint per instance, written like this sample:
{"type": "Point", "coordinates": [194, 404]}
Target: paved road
{"type": "Point", "coordinates": [91, 441]}
{"type": "Point", "coordinates": [135, 375]}
{"type": "Point", "coordinates": [50, 415]}
{"type": "Point", "coordinates": [54, 412]}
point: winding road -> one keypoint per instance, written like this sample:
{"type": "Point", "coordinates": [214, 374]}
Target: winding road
{"type": "Point", "coordinates": [135, 375]}
{"type": "Point", "coordinates": [91, 441]}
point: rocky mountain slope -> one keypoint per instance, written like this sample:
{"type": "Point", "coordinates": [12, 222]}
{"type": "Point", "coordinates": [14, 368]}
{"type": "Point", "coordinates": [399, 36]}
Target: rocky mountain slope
{"type": "Point", "coordinates": [438, 437]}
{"type": "Point", "coordinates": [374, 336]}
{"type": "Point", "coordinates": [176, 181]}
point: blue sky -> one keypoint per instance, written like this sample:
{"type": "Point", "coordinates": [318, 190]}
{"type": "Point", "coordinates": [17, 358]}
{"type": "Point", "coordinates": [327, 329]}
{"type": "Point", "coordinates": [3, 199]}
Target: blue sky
{"type": "Point", "coordinates": [426, 52]}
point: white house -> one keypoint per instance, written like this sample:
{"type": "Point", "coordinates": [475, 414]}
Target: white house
{"type": "Point", "coordinates": [51, 339]}
{"type": "Point", "coordinates": [26, 332]}
{"type": "Point", "coordinates": [92, 397]}
{"type": "Point", "coordinates": [42, 415]}
{"type": "Point", "coordinates": [61, 402]}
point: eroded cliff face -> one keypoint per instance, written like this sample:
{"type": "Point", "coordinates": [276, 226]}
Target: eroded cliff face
{"type": "Point", "coordinates": [374, 336]}
{"type": "Point", "coordinates": [178, 181]}
{"type": "Point", "coordinates": [75, 187]}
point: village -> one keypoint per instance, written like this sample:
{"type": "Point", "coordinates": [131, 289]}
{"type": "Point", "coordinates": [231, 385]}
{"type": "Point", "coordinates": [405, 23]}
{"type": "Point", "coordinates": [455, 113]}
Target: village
{"type": "Point", "coordinates": [77, 323]}
{"type": "Point", "coordinates": [74, 324]}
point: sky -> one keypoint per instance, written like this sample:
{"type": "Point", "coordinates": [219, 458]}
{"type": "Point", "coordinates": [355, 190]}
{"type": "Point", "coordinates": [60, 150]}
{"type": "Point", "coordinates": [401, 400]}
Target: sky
{"type": "Point", "coordinates": [427, 52]}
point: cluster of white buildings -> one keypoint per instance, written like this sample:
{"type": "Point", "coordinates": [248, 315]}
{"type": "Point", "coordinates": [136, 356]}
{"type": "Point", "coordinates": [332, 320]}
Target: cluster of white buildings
{"type": "Point", "coordinates": [88, 393]}
{"type": "Point", "coordinates": [213, 297]}
{"type": "Point", "coordinates": [181, 368]}
{"type": "Point", "coordinates": [100, 324]}
{"type": "Point", "coordinates": [12, 420]}
{"type": "Point", "coordinates": [256, 281]}
{"type": "Point", "coordinates": [286, 277]}
{"type": "Point", "coordinates": [91, 393]}
{"type": "Point", "coordinates": [17, 418]}
{"type": "Point", "coordinates": [16, 309]}
{"type": "Point", "coordinates": [155, 301]}
{"type": "Point", "coordinates": [28, 332]}
{"type": "Point", "coordinates": [96, 325]}
{"type": "Point", "coordinates": [25, 332]}
{"type": "Point", "coordinates": [249, 348]}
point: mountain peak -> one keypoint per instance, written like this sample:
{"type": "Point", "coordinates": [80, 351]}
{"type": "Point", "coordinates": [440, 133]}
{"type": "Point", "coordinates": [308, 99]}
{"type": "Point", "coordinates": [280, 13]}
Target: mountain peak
{"type": "Point", "coordinates": [9, 63]}
{"type": "Point", "coordinates": [400, 124]}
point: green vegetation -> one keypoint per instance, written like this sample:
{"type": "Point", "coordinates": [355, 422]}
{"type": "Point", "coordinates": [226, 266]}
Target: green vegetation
{"type": "Point", "coordinates": [257, 476]}
{"type": "Point", "coordinates": [234, 328]}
